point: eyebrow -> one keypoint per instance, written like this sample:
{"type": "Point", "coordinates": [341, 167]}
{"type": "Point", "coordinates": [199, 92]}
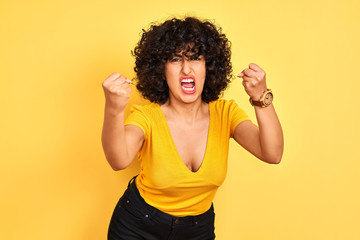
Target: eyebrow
{"type": "Point", "coordinates": [194, 55]}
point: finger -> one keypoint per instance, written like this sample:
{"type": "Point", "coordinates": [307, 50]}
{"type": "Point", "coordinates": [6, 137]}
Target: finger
{"type": "Point", "coordinates": [114, 88]}
{"type": "Point", "coordinates": [250, 73]}
{"type": "Point", "coordinates": [121, 80]}
{"type": "Point", "coordinates": [250, 81]}
{"type": "Point", "coordinates": [240, 75]}
{"type": "Point", "coordinates": [119, 89]}
{"type": "Point", "coordinates": [246, 84]}
{"type": "Point", "coordinates": [246, 79]}
{"type": "Point", "coordinates": [126, 81]}
{"type": "Point", "coordinates": [255, 67]}
{"type": "Point", "coordinates": [113, 76]}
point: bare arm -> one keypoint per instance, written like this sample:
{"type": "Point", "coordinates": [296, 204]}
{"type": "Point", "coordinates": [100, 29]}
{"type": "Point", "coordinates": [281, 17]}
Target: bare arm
{"type": "Point", "coordinates": [120, 143]}
{"type": "Point", "coordinates": [266, 141]}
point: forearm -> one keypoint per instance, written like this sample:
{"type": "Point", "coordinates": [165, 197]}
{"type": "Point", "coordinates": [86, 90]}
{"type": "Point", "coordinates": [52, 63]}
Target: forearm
{"type": "Point", "coordinates": [113, 139]}
{"type": "Point", "coordinates": [270, 134]}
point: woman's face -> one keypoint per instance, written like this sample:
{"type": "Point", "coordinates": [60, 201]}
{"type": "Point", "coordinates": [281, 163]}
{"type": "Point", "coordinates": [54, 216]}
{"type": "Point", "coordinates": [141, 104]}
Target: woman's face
{"type": "Point", "coordinates": [185, 77]}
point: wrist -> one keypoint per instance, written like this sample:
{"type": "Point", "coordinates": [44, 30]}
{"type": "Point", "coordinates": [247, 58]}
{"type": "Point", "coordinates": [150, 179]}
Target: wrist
{"type": "Point", "coordinates": [110, 110]}
{"type": "Point", "coordinates": [264, 100]}
{"type": "Point", "coordinates": [257, 96]}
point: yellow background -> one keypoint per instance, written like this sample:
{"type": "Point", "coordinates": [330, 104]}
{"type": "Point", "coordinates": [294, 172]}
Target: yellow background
{"type": "Point", "coordinates": [54, 179]}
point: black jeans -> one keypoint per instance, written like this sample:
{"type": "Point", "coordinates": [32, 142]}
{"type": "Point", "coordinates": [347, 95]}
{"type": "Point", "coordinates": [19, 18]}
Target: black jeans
{"type": "Point", "coordinates": [134, 219]}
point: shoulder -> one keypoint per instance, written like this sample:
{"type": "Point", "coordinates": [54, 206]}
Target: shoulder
{"type": "Point", "coordinates": [143, 116]}
{"type": "Point", "coordinates": [147, 109]}
{"type": "Point", "coordinates": [149, 113]}
{"type": "Point", "coordinates": [223, 105]}
{"type": "Point", "coordinates": [228, 109]}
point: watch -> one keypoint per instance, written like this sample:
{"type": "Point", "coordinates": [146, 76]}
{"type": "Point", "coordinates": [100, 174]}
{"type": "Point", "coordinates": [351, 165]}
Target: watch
{"type": "Point", "coordinates": [265, 99]}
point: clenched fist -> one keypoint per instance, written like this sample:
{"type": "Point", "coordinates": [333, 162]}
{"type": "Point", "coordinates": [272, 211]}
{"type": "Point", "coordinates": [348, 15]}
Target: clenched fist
{"type": "Point", "coordinates": [117, 92]}
{"type": "Point", "coordinates": [254, 81]}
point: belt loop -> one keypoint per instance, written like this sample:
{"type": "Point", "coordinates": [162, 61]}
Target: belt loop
{"type": "Point", "coordinates": [131, 180]}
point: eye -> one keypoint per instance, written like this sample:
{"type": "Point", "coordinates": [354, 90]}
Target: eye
{"type": "Point", "coordinates": [198, 58]}
{"type": "Point", "coordinates": [175, 59]}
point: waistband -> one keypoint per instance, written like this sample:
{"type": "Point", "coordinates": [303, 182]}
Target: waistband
{"type": "Point", "coordinates": [160, 215]}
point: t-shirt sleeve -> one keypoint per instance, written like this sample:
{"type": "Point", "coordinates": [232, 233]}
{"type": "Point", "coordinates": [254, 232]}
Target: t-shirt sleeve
{"type": "Point", "coordinates": [237, 115]}
{"type": "Point", "coordinates": [137, 117]}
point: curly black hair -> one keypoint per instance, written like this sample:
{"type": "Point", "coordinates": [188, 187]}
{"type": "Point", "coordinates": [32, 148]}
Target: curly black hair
{"type": "Point", "coordinates": [162, 42]}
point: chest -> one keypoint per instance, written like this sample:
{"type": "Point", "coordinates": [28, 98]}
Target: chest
{"type": "Point", "coordinates": [190, 142]}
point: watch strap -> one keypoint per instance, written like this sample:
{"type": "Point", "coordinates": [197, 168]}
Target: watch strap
{"type": "Point", "coordinates": [255, 103]}
{"type": "Point", "coordinates": [260, 102]}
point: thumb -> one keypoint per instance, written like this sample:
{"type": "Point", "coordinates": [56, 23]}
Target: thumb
{"type": "Point", "coordinates": [240, 75]}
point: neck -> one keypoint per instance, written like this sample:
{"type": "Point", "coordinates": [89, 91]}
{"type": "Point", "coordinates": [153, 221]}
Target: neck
{"type": "Point", "coordinates": [188, 112]}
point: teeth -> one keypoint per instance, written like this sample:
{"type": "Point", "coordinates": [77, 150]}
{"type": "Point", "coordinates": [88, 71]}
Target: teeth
{"type": "Point", "coordinates": [187, 80]}
{"type": "Point", "coordinates": [188, 89]}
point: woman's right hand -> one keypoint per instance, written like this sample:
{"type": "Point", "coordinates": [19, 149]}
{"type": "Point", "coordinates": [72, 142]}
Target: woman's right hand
{"type": "Point", "coordinates": [117, 92]}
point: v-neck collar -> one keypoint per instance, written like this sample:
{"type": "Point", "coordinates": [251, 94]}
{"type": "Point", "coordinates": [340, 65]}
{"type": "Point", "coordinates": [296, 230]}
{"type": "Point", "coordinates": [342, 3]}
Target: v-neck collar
{"type": "Point", "coordinates": [173, 146]}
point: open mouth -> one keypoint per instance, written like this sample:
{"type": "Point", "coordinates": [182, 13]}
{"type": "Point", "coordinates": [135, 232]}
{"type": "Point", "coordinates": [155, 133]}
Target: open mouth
{"type": "Point", "coordinates": [188, 84]}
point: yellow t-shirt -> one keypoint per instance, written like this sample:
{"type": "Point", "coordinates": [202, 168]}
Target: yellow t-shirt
{"type": "Point", "coordinates": [164, 180]}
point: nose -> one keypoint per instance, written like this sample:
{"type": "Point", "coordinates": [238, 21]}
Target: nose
{"type": "Point", "coordinates": [186, 67]}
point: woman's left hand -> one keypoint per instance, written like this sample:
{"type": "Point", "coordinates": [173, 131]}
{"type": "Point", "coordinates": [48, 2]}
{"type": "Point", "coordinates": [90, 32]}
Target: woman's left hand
{"type": "Point", "coordinates": [254, 81]}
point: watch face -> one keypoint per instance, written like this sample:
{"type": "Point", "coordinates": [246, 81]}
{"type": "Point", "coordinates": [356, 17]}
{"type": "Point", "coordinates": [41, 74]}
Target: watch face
{"type": "Point", "coordinates": [268, 98]}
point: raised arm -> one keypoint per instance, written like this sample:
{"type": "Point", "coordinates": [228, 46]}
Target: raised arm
{"type": "Point", "coordinates": [265, 141]}
{"type": "Point", "coordinates": [120, 143]}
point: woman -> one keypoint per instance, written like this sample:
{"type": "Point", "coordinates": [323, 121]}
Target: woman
{"type": "Point", "coordinates": [182, 137]}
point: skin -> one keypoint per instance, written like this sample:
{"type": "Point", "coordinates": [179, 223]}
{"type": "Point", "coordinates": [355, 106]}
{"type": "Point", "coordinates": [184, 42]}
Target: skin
{"type": "Point", "coordinates": [181, 66]}
{"type": "Point", "coordinates": [188, 118]}
{"type": "Point", "coordinates": [186, 114]}
{"type": "Point", "coordinates": [265, 141]}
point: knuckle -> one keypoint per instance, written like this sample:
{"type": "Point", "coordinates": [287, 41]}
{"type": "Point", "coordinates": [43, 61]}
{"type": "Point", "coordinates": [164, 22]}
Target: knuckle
{"type": "Point", "coordinates": [106, 81]}
{"type": "Point", "coordinates": [111, 77]}
{"type": "Point", "coordinates": [121, 80]}
{"type": "Point", "coordinates": [122, 90]}
{"type": "Point", "coordinates": [116, 90]}
{"type": "Point", "coordinates": [113, 89]}
{"type": "Point", "coordinates": [115, 75]}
